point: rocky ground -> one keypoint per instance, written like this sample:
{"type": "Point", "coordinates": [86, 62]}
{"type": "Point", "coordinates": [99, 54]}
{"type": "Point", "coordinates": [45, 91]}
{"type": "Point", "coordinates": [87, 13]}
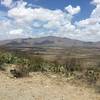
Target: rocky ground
{"type": "Point", "coordinates": [42, 87]}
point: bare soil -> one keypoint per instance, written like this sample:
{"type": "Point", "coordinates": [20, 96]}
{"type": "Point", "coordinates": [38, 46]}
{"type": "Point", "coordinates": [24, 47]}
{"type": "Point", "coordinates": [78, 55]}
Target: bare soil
{"type": "Point", "coordinates": [42, 87]}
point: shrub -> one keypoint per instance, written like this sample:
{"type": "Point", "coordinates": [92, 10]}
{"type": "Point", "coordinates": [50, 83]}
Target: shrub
{"type": "Point", "coordinates": [91, 76]}
{"type": "Point", "coordinates": [72, 64]}
{"type": "Point", "coordinates": [36, 64]}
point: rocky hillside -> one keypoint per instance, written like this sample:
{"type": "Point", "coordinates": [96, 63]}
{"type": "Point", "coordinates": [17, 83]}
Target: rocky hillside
{"type": "Point", "coordinates": [48, 41]}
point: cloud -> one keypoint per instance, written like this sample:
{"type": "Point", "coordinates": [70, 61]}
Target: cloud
{"type": "Point", "coordinates": [22, 13]}
{"type": "Point", "coordinates": [40, 21]}
{"type": "Point", "coordinates": [96, 2]}
{"type": "Point", "coordinates": [87, 22]}
{"type": "Point", "coordinates": [90, 27]}
{"type": "Point", "coordinates": [16, 32]}
{"type": "Point", "coordinates": [96, 12]}
{"type": "Point", "coordinates": [6, 3]}
{"type": "Point", "coordinates": [22, 21]}
{"type": "Point", "coordinates": [73, 10]}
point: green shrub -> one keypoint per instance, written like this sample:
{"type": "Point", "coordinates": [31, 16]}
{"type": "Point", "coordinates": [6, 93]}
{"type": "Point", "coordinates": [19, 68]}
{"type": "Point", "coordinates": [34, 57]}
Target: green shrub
{"type": "Point", "coordinates": [36, 64]}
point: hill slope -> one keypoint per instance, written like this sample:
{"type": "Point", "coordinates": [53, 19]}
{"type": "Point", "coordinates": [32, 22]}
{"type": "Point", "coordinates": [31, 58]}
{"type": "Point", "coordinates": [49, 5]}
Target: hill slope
{"type": "Point", "coordinates": [48, 41]}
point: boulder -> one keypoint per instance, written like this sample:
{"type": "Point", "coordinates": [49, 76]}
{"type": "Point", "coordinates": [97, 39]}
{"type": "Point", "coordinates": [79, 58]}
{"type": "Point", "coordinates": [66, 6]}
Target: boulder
{"type": "Point", "coordinates": [16, 70]}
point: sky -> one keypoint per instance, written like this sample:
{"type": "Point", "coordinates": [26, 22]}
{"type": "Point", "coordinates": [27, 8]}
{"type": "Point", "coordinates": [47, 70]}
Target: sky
{"type": "Point", "coordinates": [75, 19]}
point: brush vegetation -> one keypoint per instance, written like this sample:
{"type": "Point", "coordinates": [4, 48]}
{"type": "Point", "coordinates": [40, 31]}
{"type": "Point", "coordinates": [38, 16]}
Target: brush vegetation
{"type": "Point", "coordinates": [20, 65]}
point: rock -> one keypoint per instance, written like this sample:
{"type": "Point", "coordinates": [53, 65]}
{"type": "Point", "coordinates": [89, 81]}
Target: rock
{"type": "Point", "coordinates": [16, 70]}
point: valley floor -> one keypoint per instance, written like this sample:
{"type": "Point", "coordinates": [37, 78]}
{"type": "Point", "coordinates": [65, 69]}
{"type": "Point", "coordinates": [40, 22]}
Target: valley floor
{"type": "Point", "coordinates": [42, 87]}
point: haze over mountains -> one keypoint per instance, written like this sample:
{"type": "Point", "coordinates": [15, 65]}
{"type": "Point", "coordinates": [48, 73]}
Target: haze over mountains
{"type": "Point", "coordinates": [51, 41]}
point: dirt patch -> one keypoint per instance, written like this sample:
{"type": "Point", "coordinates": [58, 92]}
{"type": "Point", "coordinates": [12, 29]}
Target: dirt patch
{"type": "Point", "coordinates": [42, 87]}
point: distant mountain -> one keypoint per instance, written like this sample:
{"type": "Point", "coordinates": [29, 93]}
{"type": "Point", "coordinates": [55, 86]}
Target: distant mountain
{"type": "Point", "coordinates": [48, 41]}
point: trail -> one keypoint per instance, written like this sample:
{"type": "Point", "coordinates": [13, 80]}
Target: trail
{"type": "Point", "coordinates": [41, 87]}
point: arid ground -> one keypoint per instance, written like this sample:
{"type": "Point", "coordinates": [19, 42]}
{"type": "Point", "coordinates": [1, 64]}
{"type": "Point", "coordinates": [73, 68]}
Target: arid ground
{"type": "Point", "coordinates": [43, 87]}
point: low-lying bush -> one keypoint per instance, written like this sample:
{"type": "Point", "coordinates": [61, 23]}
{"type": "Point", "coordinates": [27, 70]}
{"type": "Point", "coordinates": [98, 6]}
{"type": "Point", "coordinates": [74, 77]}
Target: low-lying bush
{"type": "Point", "coordinates": [25, 64]}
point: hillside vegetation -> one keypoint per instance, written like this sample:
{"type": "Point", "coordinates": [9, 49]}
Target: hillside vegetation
{"type": "Point", "coordinates": [33, 74]}
{"type": "Point", "coordinates": [20, 65]}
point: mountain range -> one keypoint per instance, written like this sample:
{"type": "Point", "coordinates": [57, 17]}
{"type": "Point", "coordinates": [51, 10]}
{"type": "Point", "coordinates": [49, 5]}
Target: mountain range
{"type": "Point", "coordinates": [50, 41]}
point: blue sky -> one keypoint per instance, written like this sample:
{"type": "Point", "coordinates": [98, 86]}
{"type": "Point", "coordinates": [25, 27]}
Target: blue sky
{"type": "Point", "coordinates": [76, 19]}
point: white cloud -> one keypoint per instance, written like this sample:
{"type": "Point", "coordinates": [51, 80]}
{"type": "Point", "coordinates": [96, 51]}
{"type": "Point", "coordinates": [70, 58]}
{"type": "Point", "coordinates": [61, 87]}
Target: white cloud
{"type": "Point", "coordinates": [6, 3]}
{"type": "Point", "coordinates": [25, 21]}
{"type": "Point", "coordinates": [41, 20]}
{"type": "Point", "coordinates": [86, 22]}
{"type": "Point", "coordinates": [96, 12]}
{"type": "Point", "coordinates": [36, 22]}
{"type": "Point", "coordinates": [22, 13]}
{"type": "Point", "coordinates": [73, 10]}
{"type": "Point", "coordinates": [16, 32]}
{"type": "Point", "coordinates": [96, 2]}
{"type": "Point", "coordinates": [89, 29]}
